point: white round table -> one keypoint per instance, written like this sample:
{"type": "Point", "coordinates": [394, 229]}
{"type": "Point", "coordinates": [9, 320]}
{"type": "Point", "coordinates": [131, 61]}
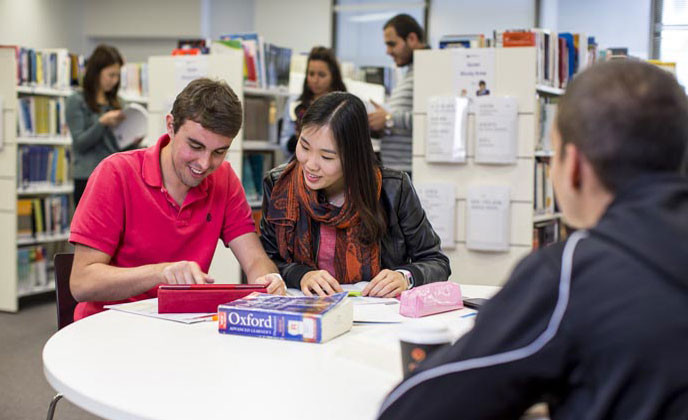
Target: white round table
{"type": "Point", "coordinates": [125, 366]}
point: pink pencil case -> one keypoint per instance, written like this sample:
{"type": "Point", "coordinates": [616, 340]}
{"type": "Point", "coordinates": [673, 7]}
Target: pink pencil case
{"type": "Point", "coordinates": [431, 298]}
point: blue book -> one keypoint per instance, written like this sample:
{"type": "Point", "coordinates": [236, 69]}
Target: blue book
{"type": "Point", "coordinates": [309, 319]}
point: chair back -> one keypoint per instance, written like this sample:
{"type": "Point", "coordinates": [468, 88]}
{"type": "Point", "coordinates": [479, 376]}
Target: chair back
{"type": "Point", "coordinates": [65, 301]}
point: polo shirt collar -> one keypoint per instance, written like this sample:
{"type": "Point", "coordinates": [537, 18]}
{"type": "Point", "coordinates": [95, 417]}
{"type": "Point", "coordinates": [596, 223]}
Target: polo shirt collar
{"type": "Point", "coordinates": [151, 171]}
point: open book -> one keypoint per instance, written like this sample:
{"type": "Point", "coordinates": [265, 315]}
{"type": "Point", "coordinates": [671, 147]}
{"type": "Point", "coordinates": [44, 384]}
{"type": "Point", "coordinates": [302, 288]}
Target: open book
{"type": "Point", "coordinates": [133, 127]}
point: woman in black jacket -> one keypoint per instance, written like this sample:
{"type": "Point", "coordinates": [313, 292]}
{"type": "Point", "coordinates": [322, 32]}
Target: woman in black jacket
{"type": "Point", "coordinates": [332, 215]}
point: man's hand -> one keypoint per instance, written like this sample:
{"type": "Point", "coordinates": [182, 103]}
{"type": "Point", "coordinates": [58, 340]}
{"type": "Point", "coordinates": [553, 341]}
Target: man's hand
{"type": "Point", "coordinates": [274, 282]}
{"type": "Point", "coordinates": [387, 284]}
{"type": "Point", "coordinates": [184, 272]}
{"type": "Point", "coordinates": [321, 282]}
{"type": "Point", "coordinates": [377, 118]}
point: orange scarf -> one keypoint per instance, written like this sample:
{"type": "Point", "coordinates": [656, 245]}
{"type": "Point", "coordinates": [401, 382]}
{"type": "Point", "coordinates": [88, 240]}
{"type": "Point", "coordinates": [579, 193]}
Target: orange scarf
{"type": "Point", "coordinates": [295, 208]}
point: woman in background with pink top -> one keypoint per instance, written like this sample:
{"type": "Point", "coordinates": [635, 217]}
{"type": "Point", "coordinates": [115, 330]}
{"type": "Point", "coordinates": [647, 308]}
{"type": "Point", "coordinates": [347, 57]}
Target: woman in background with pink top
{"type": "Point", "coordinates": [333, 216]}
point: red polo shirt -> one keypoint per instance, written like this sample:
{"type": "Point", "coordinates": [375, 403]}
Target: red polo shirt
{"type": "Point", "coordinates": [127, 213]}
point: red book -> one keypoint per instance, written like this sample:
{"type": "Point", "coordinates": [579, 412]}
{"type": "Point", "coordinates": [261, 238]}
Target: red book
{"type": "Point", "coordinates": [195, 298]}
{"type": "Point", "coordinates": [518, 39]}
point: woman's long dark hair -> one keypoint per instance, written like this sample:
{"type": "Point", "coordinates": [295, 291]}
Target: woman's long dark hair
{"type": "Point", "coordinates": [347, 118]}
{"type": "Point", "coordinates": [326, 55]}
{"type": "Point", "coordinates": [103, 56]}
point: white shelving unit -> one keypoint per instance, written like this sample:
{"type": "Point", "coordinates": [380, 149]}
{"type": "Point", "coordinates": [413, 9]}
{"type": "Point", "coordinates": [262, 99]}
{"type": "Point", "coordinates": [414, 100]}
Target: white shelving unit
{"type": "Point", "coordinates": [43, 91]}
{"type": "Point", "coordinates": [45, 140]}
{"type": "Point", "coordinates": [45, 190]}
{"type": "Point", "coordinates": [549, 90]}
{"type": "Point", "coordinates": [43, 239]}
{"type": "Point", "coordinates": [10, 290]}
{"type": "Point", "coordinates": [50, 287]}
{"type": "Point", "coordinates": [514, 75]}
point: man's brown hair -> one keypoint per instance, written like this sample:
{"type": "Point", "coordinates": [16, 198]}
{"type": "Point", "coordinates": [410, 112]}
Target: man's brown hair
{"type": "Point", "coordinates": [627, 118]}
{"type": "Point", "coordinates": [211, 103]}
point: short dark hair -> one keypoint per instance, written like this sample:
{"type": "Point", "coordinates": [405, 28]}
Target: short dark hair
{"type": "Point", "coordinates": [211, 103]}
{"type": "Point", "coordinates": [627, 118]}
{"type": "Point", "coordinates": [326, 55]}
{"type": "Point", "coordinates": [103, 56]}
{"type": "Point", "coordinates": [404, 24]}
{"type": "Point", "coordinates": [347, 118]}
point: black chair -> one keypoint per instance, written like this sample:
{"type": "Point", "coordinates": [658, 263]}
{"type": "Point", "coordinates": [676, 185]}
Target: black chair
{"type": "Point", "coordinates": [65, 301]}
{"type": "Point", "coordinates": [65, 305]}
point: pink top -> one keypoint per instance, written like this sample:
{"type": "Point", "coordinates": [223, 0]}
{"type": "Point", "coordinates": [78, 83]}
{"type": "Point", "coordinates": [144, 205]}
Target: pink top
{"type": "Point", "coordinates": [328, 237]}
{"type": "Point", "coordinates": [127, 213]}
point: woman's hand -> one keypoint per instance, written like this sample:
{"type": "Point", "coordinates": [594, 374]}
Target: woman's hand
{"type": "Point", "coordinates": [387, 284]}
{"type": "Point", "coordinates": [112, 118]}
{"type": "Point", "coordinates": [319, 282]}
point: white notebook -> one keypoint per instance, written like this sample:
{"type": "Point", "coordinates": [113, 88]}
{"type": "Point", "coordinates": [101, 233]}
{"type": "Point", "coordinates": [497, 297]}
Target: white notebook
{"type": "Point", "coordinates": [133, 127]}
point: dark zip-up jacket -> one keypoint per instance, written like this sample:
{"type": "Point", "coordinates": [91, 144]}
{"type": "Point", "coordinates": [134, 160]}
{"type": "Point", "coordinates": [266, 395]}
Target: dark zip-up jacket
{"type": "Point", "coordinates": [410, 243]}
{"type": "Point", "coordinates": [606, 340]}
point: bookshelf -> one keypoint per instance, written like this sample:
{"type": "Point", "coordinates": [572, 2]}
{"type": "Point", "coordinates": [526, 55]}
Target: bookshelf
{"type": "Point", "coordinates": [514, 75]}
{"type": "Point", "coordinates": [35, 205]}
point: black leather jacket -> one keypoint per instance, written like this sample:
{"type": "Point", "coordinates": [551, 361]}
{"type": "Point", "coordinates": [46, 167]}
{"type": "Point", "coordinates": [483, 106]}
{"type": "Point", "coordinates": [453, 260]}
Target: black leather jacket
{"type": "Point", "coordinates": [409, 244]}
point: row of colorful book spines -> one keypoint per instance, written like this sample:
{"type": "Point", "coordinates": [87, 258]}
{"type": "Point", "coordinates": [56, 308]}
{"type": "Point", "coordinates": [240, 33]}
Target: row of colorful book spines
{"type": "Point", "coordinates": [32, 267]}
{"type": "Point", "coordinates": [50, 68]}
{"type": "Point", "coordinates": [40, 115]}
{"type": "Point", "coordinates": [40, 164]}
{"type": "Point", "coordinates": [134, 79]}
{"type": "Point", "coordinates": [544, 200]}
{"type": "Point", "coordinates": [265, 65]}
{"type": "Point", "coordinates": [39, 216]}
{"type": "Point", "coordinates": [548, 233]}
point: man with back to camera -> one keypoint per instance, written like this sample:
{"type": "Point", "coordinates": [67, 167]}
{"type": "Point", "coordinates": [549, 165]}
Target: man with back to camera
{"type": "Point", "coordinates": [596, 327]}
{"type": "Point", "coordinates": [154, 216]}
{"type": "Point", "coordinates": [402, 36]}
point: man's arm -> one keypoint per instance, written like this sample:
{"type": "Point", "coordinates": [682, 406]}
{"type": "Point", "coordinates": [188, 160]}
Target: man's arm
{"type": "Point", "coordinates": [94, 279]}
{"type": "Point", "coordinates": [254, 261]}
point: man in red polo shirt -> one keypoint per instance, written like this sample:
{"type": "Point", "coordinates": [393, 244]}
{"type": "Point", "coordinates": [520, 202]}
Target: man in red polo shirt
{"type": "Point", "coordinates": [153, 216]}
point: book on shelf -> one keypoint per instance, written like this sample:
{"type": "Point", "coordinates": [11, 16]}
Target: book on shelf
{"type": "Point", "coordinates": [277, 65]}
{"type": "Point", "coordinates": [134, 80]}
{"type": "Point", "coordinates": [463, 41]}
{"type": "Point", "coordinates": [255, 46]}
{"type": "Point", "coordinates": [254, 167]}
{"type": "Point", "coordinates": [54, 68]}
{"type": "Point", "coordinates": [34, 269]}
{"type": "Point", "coordinates": [544, 202]}
{"type": "Point", "coordinates": [24, 219]}
{"type": "Point", "coordinates": [547, 233]}
{"type": "Point", "coordinates": [223, 46]}
{"type": "Point", "coordinates": [314, 319]}
{"type": "Point", "coordinates": [43, 166]}
{"type": "Point", "coordinates": [544, 42]}
{"type": "Point", "coordinates": [266, 65]}
{"type": "Point", "coordinates": [547, 110]}
{"type": "Point", "coordinates": [43, 217]}
{"type": "Point", "coordinates": [41, 116]}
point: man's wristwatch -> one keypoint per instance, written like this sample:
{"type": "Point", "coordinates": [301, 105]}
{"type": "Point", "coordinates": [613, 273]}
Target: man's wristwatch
{"type": "Point", "coordinates": [389, 121]}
